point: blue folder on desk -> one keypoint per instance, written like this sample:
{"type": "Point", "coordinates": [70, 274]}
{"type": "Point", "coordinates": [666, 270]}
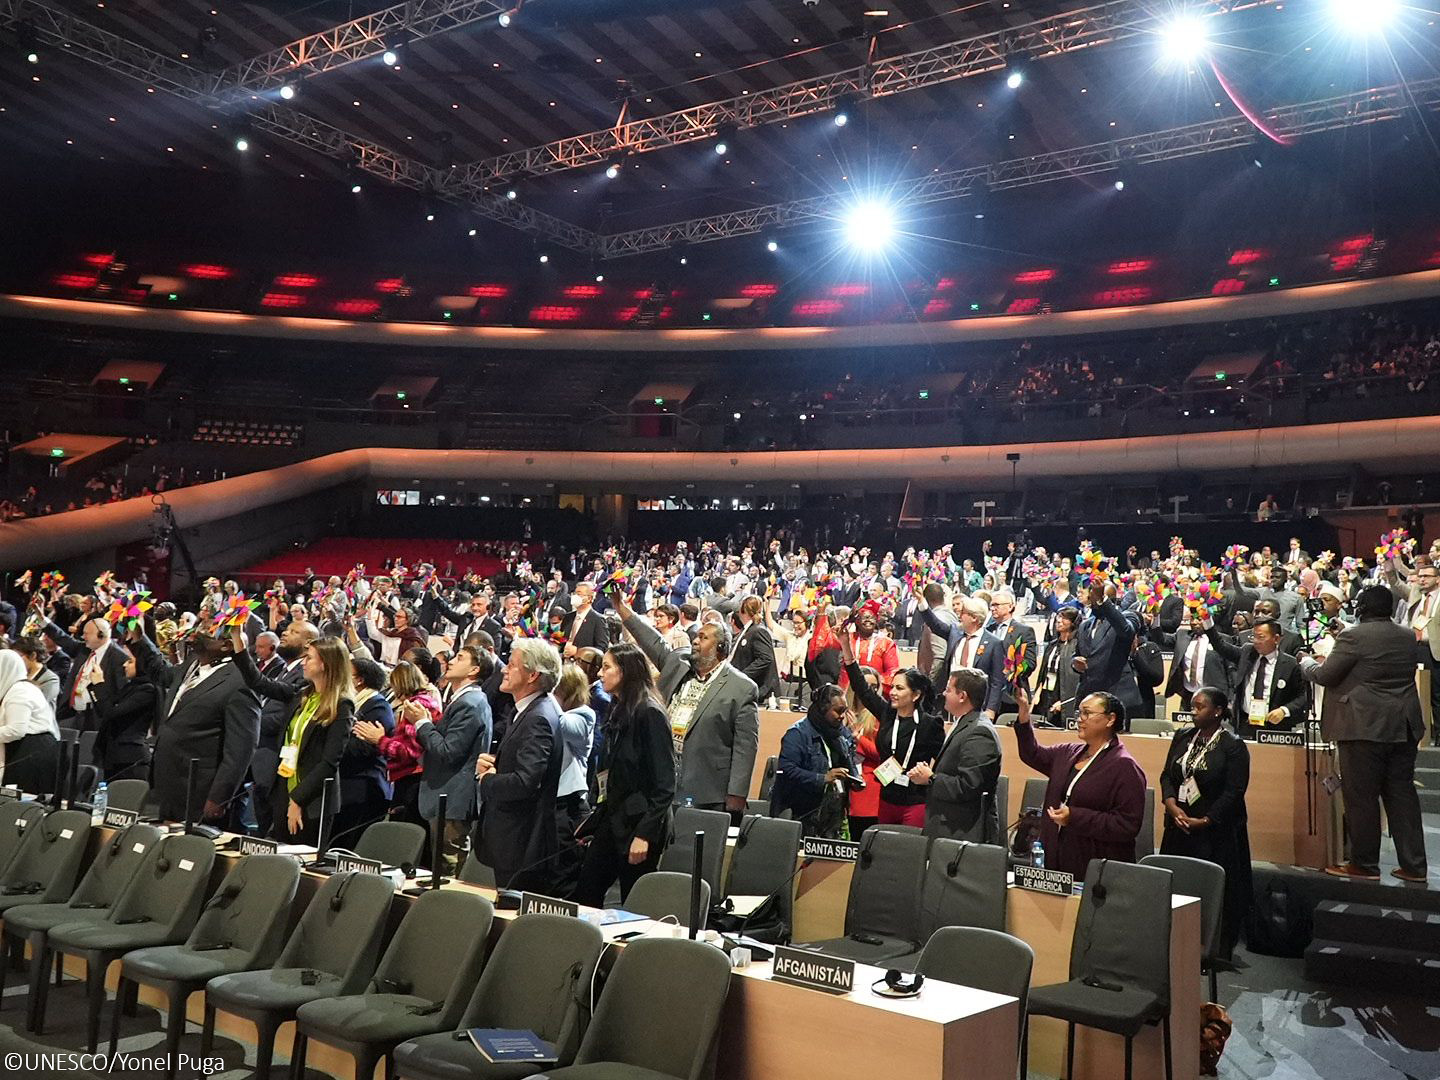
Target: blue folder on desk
{"type": "Point", "coordinates": [498, 1045]}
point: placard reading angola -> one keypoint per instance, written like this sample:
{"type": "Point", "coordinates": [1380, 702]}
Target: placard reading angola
{"type": "Point", "coordinates": [1038, 879]}
{"type": "Point", "coordinates": [813, 970]}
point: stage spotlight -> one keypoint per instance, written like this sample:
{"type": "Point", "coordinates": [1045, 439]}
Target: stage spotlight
{"type": "Point", "coordinates": [390, 57]}
{"type": "Point", "coordinates": [722, 148]}
{"type": "Point", "coordinates": [772, 246]}
{"type": "Point", "coordinates": [599, 279]}
{"type": "Point", "coordinates": [1185, 38]}
{"type": "Point", "coordinates": [842, 118]}
{"type": "Point", "coordinates": [512, 194]}
{"type": "Point", "coordinates": [1014, 79]}
{"type": "Point", "coordinates": [1119, 185]}
{"type": "Point", "coordinates": [612, 171]}
{"type": "Point", "coordinates": [287, 92]}
{"type": "Point", "coordinates": [242, 144]}
{"type": "Point", "coordinates": [471, 232]}
{"type": "Point", "coordinates": [684, 260]}
{"type": "Point", "coordinates": [355, 188]}
{"type": "Point", "coordinates": [32, 57]}
{"type": "Point", "coordinates": [1364, 16]}
{"type": "Point", "coordinates": [869, 225]}
{"type": "Point", "coordinates": [504, 19]}
{"type": "Point", "coordinates": [544, 259]}
{"type": "Point", "coordinates": [430, 216]}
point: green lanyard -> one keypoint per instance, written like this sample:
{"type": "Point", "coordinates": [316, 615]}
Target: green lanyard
{"type": "Point", "coordinates": [301, 720]}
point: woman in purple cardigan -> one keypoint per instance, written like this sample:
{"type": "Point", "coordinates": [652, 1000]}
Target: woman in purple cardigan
{"type": "Point", "coordinates": [1095, 800]}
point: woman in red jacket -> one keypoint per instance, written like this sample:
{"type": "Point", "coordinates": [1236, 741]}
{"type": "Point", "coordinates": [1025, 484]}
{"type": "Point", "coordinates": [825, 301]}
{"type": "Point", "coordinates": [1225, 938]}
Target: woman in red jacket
{"type": "Point", "coordinates": [864, 725]}
{"type": "Point", "coordinates": [414, 699]}
{"type": "Point", "coordinates": [1095, 800]}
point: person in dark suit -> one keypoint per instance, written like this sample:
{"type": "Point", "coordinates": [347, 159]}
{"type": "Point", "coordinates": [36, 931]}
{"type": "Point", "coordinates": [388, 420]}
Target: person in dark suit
{"type": "Point", "coordinates": [632, 784]}
{"type": "Point", "coordinates": [285, 665]}
{"type": "Point", "coordinates": [477, 619]}
{"type": "Point", "coordinates": [518, 787]}
{"type": "Point", "coordinates": [754, 652]}
{"type": "Point", "coordinates": [1197, 662]}
{"type": "Point", "coordinates": [97, 671]}
{"type": "Point", "coordinates": [1011, 633]}
{"type": "Point", "coordinates": [1202, 787]}
{"type": "Point", "coordinates": [1103, 648]}
{"type": "Point", "coordinates": [320, 712]}
{"type": "Point", "coordinates": [585, 627]}
{"type": "Point", "coordinates": [125, 721]}
{"type": "Point", "coordinates": [960, 782]}
{"type": "Point", "coordinates": [452, 747]}
{"type": "Point", "coordinates": [969, 645]}
{"type": "Point", "coordinates": [1268, 684]}
{"type": "Point", "coordinates": [1055, 673]}
{"type": "Point", "coordinates": [206, 713]}
{"type": "Point", "coordinates": [1371, 711]}
{"type": "Point", "coordinates": [365, 788]}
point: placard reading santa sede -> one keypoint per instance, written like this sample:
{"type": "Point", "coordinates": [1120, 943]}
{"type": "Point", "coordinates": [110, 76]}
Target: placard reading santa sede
{"type": "Point", "coordinates": [817, 847]}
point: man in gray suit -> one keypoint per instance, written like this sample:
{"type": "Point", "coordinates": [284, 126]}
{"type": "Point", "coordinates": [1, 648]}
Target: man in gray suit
{"type": "Point", "coordinates": [1372, 713]}
{"type": "Point", "coordinates": [960, 802]}
{"type": "Point", "coordinates": [713, 712]}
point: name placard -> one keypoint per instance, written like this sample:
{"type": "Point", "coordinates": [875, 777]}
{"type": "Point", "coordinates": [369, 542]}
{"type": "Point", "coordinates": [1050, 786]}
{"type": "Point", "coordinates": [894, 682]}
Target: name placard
{"type": "Point", "coordinates": [1038, 879]}
{"type": "Point", "coordinates": [537, 904]}
{"type": "Point", "coordinates": [1280, 738]}
{"type": "Point", "coordinates": [817, 847]}
{"type": "Point", "coordinates": [1182, 719]}
{"type": "Point", "coordinates": [9, 793]}
{"type": "Point", "coordinates": [350, 864]}
{"type": "Point", "coordinates": [813, 970]}
{"type": "Point", "coordinates": [257, 845]}
{"type": "Point", "coordinates": [117, 818]}
{"type": "Point", "coordinates": [1072, 723]}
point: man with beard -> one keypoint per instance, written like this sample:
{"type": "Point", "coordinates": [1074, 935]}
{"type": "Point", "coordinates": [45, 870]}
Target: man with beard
{"type": "Point", "coordinates": [275, 714]}
{"type": "Point", "coordinates": [713, 712]}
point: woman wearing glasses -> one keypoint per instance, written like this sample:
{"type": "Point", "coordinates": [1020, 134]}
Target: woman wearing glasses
{"type": "Point", "coordinates": [1095, 798]}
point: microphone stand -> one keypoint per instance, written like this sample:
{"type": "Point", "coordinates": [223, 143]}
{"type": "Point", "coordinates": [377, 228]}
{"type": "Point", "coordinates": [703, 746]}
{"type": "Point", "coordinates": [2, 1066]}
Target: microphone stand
{"type": "Point", "coordinates": [328, 808]}
{"type": "Point", "coordinates": [73, 773]}
{"type": "Point", "coordinates": [193, 827]}
{"type": "Point", "coordinates": [62, 768]}
{"type": "Point", "coordinates": [696, 862]}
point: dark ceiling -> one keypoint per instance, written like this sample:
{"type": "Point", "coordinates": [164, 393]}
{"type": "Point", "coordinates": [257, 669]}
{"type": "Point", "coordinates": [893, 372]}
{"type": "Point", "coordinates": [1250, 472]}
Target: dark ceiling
{"type": "Point", "coordinates": [563, 66]}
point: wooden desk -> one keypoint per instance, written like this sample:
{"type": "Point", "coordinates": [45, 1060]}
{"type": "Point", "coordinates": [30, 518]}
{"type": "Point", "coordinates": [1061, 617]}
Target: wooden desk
{"type": "Point", "coordinates": [1275, 800]}
{"type": "Point", "coordinates": [772, 1031]}
{"type": "Point", "coordinates": [1047, 923]}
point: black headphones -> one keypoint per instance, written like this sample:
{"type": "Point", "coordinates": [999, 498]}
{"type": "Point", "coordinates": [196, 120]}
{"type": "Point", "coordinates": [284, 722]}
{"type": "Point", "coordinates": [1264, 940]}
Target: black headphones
{"type": "Point", "coordinates": [338, 900]}
{"type": "Point", "coordinates": [743, 838]}
{"type": "Point", "coordinates": [227, 893]}
{"type": "Point", "coordinates": [954, 867]}
{"type": "Point", "coordinates": [865, 857]}
{"type": "Point", "coordinates": [897, 984]}
{"type": "Point", "coordinates": [162, 864]}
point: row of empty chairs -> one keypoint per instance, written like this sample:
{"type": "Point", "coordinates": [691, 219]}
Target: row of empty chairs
{"type": "Point", "coordinates": [249, 432]}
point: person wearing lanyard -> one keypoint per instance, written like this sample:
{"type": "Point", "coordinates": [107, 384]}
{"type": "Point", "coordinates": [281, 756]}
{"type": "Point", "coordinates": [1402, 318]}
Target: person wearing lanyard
{"type": "Point", "coordinates": [322, 711]}
{"type": "Point", "coordinates": [1203, 787]}
{"type": "Point", "coordinates": [817, 757]}
{"type": "Point", "coordinates": [633, 782]}
{"type": "Point", "coordinates": [1095, 797]}
{"type": "Point", "coordinates": [910, 733]}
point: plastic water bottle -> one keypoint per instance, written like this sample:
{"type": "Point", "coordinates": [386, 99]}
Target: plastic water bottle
{"type": "Point", "coordinates": [102, 799]}
{"type": "Point", "coordinates": [688, 800]}
{"type": "Point", "coordinates": [1037, 855]}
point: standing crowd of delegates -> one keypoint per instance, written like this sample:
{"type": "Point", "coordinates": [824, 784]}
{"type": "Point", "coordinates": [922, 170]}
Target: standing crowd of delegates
{"type": "Point", "coordinates": [563, 711]}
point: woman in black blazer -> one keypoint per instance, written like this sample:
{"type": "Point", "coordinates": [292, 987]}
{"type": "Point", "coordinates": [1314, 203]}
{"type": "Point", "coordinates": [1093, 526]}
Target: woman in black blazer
{"type": "Point", "coordinates": [1203, 788]}
{"type": "Point", "coordinates": [322, 711]}
{"type": "Point", "coordinates": [910, 732]}
{"type": "Point", "coordinates": [365, 788]}
{"type": "Point", "coordinates": [632, 784]}
{"type": "Point", "coordinates": [125, 720]}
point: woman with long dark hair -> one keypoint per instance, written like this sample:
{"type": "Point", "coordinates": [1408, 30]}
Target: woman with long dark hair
{"type": "Point", "coordinates": [633, 783]}
{"type": "Point", "coordinates": [910, 732]}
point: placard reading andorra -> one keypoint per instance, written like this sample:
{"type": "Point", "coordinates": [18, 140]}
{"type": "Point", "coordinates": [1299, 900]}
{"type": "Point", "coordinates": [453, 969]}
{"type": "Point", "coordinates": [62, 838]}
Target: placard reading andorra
{"type": "Point", "coordinates": [839, 850]}
{"type": "Point", "coordinates": [1038, 879]}
{"type": "Point", "coordinates": [1281, 738]}
{"type": "Point", "coordinates": [258, 845]}
{"type": "Point", "coordinates": [813, 970]}
{"type": "Point", "coordinates": [537, 904]}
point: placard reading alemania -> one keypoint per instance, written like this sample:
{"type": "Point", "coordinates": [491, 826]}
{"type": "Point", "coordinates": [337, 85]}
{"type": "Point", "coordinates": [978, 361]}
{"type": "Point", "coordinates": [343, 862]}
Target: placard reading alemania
{"type": "Point", "coordinates": [815, 970]}
{"type": "Point", "coordinates": [1038, 879]}
{"type": "Point", "coordinates": [817, 847]}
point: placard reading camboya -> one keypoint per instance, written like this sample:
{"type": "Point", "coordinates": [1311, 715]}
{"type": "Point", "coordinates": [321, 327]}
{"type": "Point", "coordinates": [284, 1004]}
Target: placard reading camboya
{"type": "Point", "coordinates": [817, 847]}
{"type": "Point", "coordinates": [1281, 738]}
{"type": "Point", "coordinates": [536, 904]}
{"type": "Point", "coordinates": [814, 970]}
{"type": "Point", "coordinates": [1038, 879]}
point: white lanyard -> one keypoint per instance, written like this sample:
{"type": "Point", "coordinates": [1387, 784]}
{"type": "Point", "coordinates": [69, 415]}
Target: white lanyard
{"type": "Point", "coordinates": [1081, 772]}
{"type": "Point", "coordinates": [1196, 752]}
{"type": "Point", "coordinates": [905, 764]}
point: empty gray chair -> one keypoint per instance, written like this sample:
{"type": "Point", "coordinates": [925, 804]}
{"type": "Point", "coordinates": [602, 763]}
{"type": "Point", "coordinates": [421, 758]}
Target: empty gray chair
{"type": "Point", "coordinates": [474, 872]}
{"type": "Point", "coordinates": [987, 960]}
{"type": "Point", "coordinates": [882, 914]}
{"type": "Point", "coordinates": [332, 951]}
{"type": "Point", "coordinates": [625, 1041]}
{"type": "Point", "coordinates": [964, 886]}
{"type": "Point", "coordinates": [758, 806]}
{"type": "Point", "coordinates": [44, 870]}
{"type": "Point", "coordinates": [1206, 880]}
{"type": "Point", "coordinates": [1145, 838]}
{"type": "Point", "coordinates": [394, 843]}
{"type": "Point", "coordinates": [109, 874]}
{"type": "Point", "coordinates": [663, 893]}
{"type": "Point", "coordinates": [15, 818]}
{"type": "Point", "coordinates": [679, 854]}
{"type": "Point", "coordinates": [158, 907]}
{"type": "Point", "coordinates": [763, 864]}
{"type": "Point", "coordinates": [422, 985]}
{"type": "Point", "coordinates": [767, 777]}
{"type": "Point", "coordinates": [1119, 960]}
{"type": "Point", "coordinates": [1034, 796]}
{"type": "Point", "coordinates": [241, 928]}
{"type": "Point", "coordinates": [537, 979]}
{"type": "Point", "coordinates": [126, 794]}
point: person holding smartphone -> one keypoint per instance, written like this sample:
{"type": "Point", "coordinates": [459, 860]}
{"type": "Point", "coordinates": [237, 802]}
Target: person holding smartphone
{"type": "Point", "coordinates": [817, 767]}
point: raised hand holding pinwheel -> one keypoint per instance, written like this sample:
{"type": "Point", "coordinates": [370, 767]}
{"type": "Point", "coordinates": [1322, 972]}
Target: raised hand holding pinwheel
{"type": "Point", "coordinates": [51, 579]}
{"type": "Point", "coordinates": [1394, 544]}
{"type": "Point", "coordinates": [128, 612]}
{"type": "Point", "coordinates": [1017, 663]}
{"type": "Point", "coordinates": [236, 612]}
{"type": "Point", "coordinates": [23, 581]}
{"type": "Point", "coordinates": [1234, 556]}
